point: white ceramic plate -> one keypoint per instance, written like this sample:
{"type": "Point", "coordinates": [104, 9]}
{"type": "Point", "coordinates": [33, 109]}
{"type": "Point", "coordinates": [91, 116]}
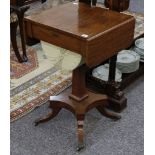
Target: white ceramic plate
{"type": "Point", "coordinates": [139, 43]}
{"type": "Point", "coordinates": [102, 72]}
{"type": "Point", "coordinates": [127, 56]}
{"type": "Point", "coordinates": [128, 61]}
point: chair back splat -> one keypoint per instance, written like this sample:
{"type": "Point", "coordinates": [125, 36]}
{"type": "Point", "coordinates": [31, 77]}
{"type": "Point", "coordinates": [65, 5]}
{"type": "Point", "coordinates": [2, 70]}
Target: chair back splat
{"type": "Point", "coordinates": [89, 1]}
{"type": "Point", "coordinates": [117, 5]}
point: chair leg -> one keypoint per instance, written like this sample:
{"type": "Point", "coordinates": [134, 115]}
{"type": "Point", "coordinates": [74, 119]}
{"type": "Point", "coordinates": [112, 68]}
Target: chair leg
{"type": "Point", "coordinates": [22, 34]}
{"type": "Point", "coordinates": [43, 1]}
{"type": "Point", "coordinates": [86, 1]}
{"type": "Point", "coordinates": [13, 30]}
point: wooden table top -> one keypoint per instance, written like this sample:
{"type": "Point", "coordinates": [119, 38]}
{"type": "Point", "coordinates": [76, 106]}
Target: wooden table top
{"type": "Point", "coordinates": [94, 32]}
{"type": "Point", "coordinates": [79, 19]}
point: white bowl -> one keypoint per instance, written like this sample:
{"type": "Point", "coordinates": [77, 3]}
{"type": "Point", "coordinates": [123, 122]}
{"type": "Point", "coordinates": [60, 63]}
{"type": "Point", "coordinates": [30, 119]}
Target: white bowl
{"type": "Point", "coordinates": [102, 72]}
{"type": "Point", "coordinates": [126, 57]}
{"type": "Point", "coordinates": [128, 61]}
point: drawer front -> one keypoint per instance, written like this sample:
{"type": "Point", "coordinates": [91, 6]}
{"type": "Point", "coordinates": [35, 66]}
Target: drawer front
{"type": "Point", "coordinates": [58, 39]}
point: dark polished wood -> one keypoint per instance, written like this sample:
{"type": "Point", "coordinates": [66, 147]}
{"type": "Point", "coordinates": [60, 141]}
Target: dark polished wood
{"type": "Point", "coordinates": [117, 5]}
{"type": "Point", "coordinates": [23, 2]}
{"type": "Point", "coordinates": [13, 31]}
{"type": "Point", "coordinates": [13, 2]}
{"type": "Point", "coordinates": [19, 7]}
{"type": "Point", "coordinates": [117, 99]}
{"type": "Point", "coordinates": [13, 26]}
{"type": "Point", "coordinates": [20, 15]}
{"type": "Point", "coordinates": [86, 1]}
{"type": "Point", "coordinates": [112, 66]}
{"type": "Point", "coordinates": [90, 2]}
{"type": "Point", "coordinates": [96, 34]}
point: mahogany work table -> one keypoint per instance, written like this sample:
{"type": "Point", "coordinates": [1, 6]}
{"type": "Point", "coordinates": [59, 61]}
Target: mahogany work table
{"type": "Point", "coordinates": [95, 33]}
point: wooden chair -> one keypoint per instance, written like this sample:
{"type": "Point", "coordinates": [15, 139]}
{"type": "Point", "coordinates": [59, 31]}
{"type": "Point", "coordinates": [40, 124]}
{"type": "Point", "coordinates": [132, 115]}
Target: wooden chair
{"type": "Point", "coordinates": [16, 17]}
{"type": "Point", "coordinates": [23, 2]}
{"type": "Point", "coordinates": [117, 5]}
{"type": "Point", "coordinates": [17, 11]}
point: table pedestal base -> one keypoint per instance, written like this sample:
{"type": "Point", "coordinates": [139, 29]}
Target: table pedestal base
{"type": "Point", "coordinates": [79, 109]}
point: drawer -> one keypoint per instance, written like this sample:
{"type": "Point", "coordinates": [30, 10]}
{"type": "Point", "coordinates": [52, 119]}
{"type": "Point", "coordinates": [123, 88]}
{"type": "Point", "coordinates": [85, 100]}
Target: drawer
{"type": "Point", "coordinates": [58, 39]}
